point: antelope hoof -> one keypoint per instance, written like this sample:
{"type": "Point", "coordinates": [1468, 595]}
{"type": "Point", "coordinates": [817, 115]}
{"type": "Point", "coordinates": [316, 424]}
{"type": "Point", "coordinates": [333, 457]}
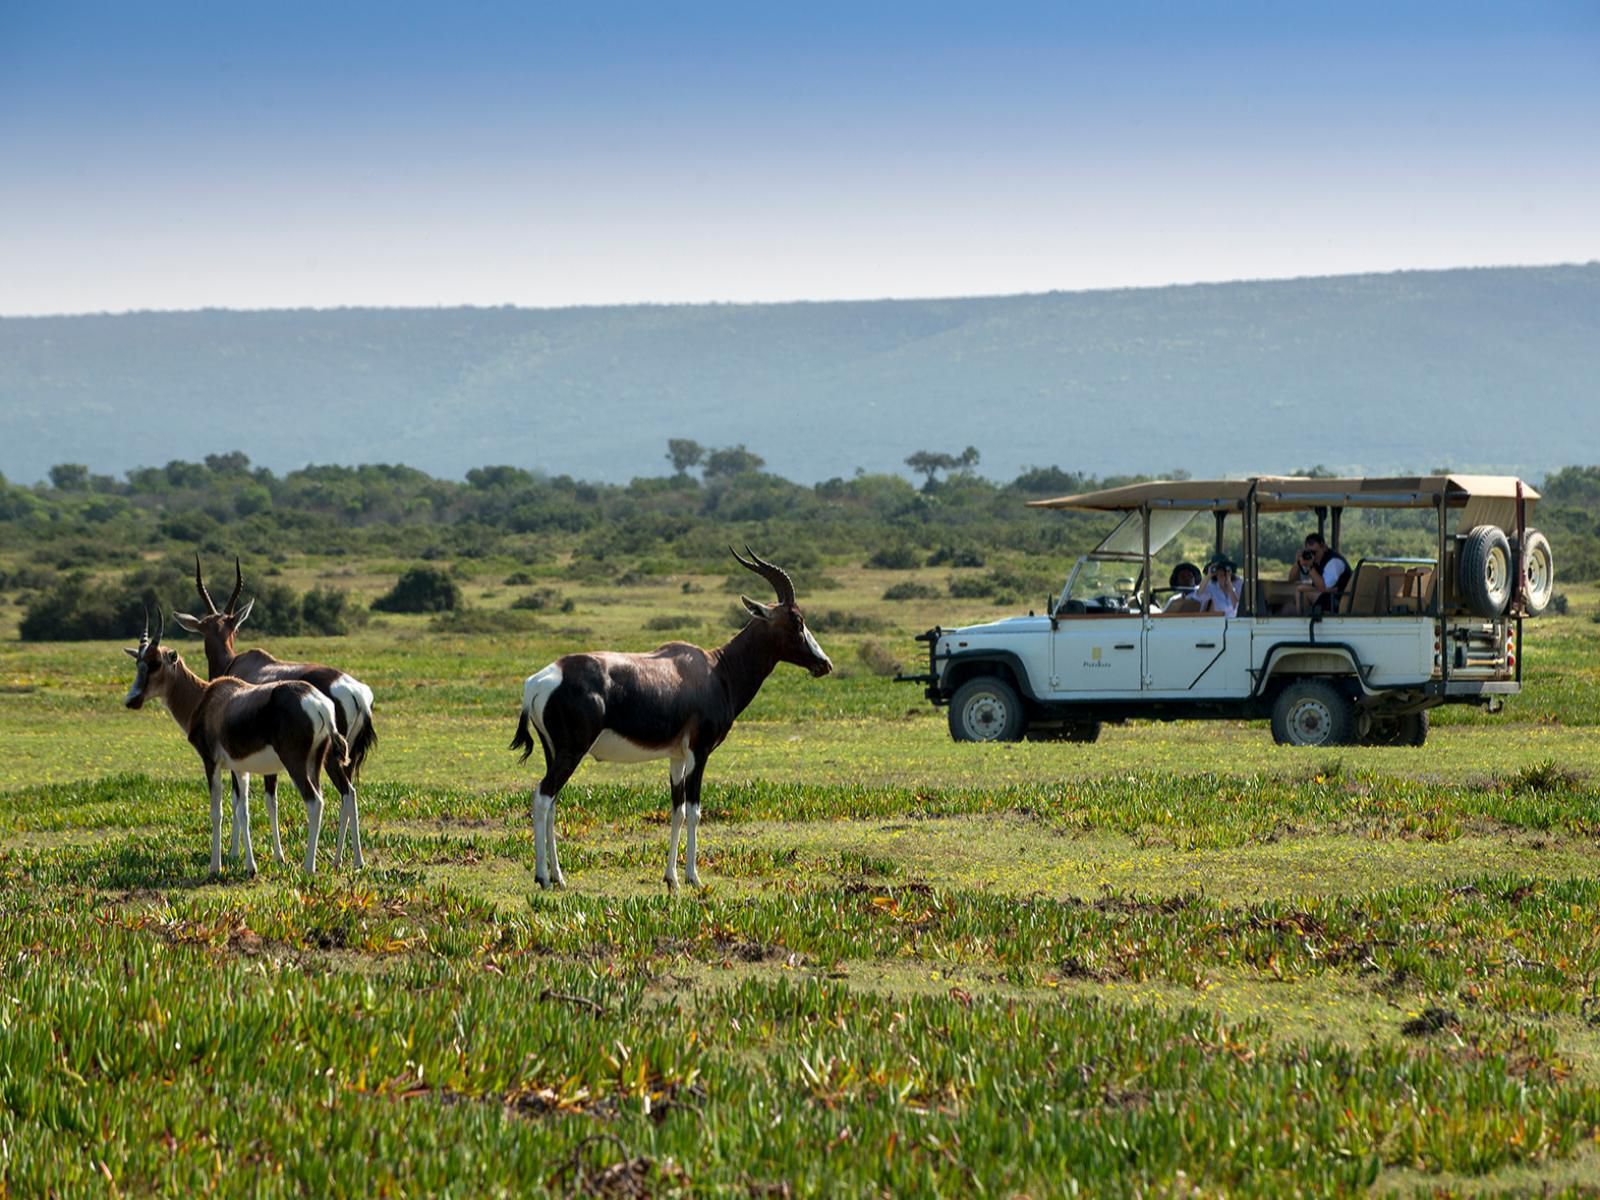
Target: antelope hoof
{"type": "Point", "coordinates": [692, 880]}
{"type": "Point", "coordinates": [542, 882]}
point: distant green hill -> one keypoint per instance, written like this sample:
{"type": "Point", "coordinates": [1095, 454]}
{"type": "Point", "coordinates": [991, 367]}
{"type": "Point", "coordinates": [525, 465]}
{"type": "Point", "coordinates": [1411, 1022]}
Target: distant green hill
{"type": "Point", "coordinates": [1472, 368]}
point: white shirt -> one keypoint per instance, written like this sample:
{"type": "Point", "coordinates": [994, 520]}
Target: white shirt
{"type": "Point", "coordinates": [1331, 572]}
{"type": "Point", "coordinates": [1221, 599]}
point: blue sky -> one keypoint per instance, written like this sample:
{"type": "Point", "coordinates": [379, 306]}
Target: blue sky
{"type": "Point", "coordinates": [180, 155]}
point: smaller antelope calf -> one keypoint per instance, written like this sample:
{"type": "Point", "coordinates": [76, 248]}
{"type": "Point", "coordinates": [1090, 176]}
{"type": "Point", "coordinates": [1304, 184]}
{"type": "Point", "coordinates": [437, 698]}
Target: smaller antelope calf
{"type": "Point", "coordinates": [240, 728]}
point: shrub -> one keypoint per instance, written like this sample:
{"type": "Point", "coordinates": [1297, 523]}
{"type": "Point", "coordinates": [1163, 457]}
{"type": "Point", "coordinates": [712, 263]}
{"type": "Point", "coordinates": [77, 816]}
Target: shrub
{"type": "Point", "coordinates": [902, 557]}
{"type": "Point", "coordinates": [483, 620]}
{"type": "Point", "coordinates": [538, 601]}
{"type": "Point", "coordinates": [1559, 604]}
{"type": "Point", "coordinates": [421, 590]}
{"type": "Point", "coordinates": [835, 621]}
{"type": "Point", "coordinates": [950, 556]}
{"type": "Point", "coordinates": [910, 590]}
{"type": "Point", "coordinates": [673, 621]}
{"type": "Point", "coordinates": [878, 658]}
{"type": "Point", "coordinates": [971, 587]}
{"type": "Point", "coordinates": [327, 612]}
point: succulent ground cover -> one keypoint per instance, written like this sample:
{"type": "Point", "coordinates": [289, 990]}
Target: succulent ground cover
{"type": "Point", "coordinates": [1180, 961]}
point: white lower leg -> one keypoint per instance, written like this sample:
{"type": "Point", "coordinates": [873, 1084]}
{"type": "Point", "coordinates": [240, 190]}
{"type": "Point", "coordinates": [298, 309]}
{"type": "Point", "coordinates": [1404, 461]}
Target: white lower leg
{"type": "Point", "coordinates": [313, 828]}
{"type": "Point", "coordinates": [541, 833]}
{"type": "Point", "coordinates": [672, 846]}
{"type": "Point", "coordinates": [691, 824]}
{"type": "Point", "coordinates": [241, 820]}
{"type": "Point", "coordinates": [233, 833]}
{"type": "Point", "coordinates": [272, 815]}
{"type": "Point", "coordinates": [355, 828]}
{"type": "Point", "coordinates": [216, 823]}
{"type": "Point", "coordinates": [343, 824]}
{"type": "Point", "coordinates": [557, 879]}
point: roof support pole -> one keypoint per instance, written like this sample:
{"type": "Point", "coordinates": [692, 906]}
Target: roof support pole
{"type": "Point", "coordinates": [1220, 516]}
{"type": "Point", "coordinates": [1338, 519]}
{"type": "Point", "coordinates": [1145, 593]}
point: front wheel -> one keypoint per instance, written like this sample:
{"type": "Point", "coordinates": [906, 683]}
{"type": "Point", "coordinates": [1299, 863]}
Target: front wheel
{"type": "Point", "coordinates": [1313, 712]}
{"type": "Point", "coordinates": [986, 709]}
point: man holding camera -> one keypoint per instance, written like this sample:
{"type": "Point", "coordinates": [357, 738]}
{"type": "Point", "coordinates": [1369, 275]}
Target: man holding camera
{"type": "Point", "coordinates": [1321, 573]}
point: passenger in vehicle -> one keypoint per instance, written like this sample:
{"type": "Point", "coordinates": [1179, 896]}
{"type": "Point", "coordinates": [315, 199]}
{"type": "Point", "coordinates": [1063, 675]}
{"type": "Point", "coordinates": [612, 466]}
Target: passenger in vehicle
{"type": "Point", "coordinates": [1184, 581]}
{"type": "Point", "coordinates": [1321, 573]}
{"type": "Point", "coordinates": [1221, 591]}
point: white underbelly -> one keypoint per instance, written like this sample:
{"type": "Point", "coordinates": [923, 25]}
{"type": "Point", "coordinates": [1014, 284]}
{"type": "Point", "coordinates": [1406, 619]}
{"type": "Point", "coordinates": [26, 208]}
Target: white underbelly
{"type": "Point", "coordinates": [262, 762]}
{"type": "Point", "coordinates": [613, 747]}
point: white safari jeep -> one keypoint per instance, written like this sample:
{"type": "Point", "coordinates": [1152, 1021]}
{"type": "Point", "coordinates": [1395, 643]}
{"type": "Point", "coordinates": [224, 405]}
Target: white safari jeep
{"type": "Point", "coordinates": [1361, 664]}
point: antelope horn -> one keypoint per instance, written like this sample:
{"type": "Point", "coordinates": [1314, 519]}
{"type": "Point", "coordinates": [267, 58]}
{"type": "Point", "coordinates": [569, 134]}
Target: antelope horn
{"type": "Point", "coordinates": [776, 576]}
{"type": "Point", "coordinates": [161, 625]}
{"type": "Point", "coordinates": [200, 586]}
{"type": "Point", "coordinates": [144, 638]}
{"type": "Point", "coordinates": [238, 586]}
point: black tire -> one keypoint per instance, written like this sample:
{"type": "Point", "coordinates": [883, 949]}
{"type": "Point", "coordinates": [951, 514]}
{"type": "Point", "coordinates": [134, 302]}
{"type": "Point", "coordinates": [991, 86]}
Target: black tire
{"type": "Point", "coordinates": [1408, 730]}
{"type": "Point", "coordinates": [1538, 567]}
{"type": "Point", "coordinates": [1483, 571]}
{"type": "Point", "coordinates": [1313, 712]}
{"type": "Point", "coordinates": [986, 709]}
{"type": "Point", "coordinates": [1072, 731]}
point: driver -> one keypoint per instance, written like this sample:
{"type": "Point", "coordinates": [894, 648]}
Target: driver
{"type": "Point", "coordinates": [1185, 578]}
{"type": "Point", "coordinates": [1221, 591]}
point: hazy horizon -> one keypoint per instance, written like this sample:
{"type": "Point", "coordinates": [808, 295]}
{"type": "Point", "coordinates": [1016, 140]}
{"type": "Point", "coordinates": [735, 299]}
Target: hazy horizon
{"type": "Point", "coordinates": [408, 156]}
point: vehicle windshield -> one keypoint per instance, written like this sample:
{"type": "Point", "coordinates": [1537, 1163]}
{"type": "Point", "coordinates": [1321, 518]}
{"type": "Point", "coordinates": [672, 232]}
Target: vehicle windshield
{"type": "Point", "coordinates": [1100, 586]}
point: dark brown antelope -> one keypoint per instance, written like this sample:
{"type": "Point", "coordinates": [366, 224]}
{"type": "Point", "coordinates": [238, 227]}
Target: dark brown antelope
{"type": "Point", "coordinates": [352, 701]}
{"type": "Point", "coordinates": [678, 702]}
{"type": "Point", "coordinates": [237, 728]}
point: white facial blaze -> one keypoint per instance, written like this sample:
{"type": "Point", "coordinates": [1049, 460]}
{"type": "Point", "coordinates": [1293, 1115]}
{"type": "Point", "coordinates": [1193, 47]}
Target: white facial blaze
{"type": "Point", "coordinates": [811, 645]}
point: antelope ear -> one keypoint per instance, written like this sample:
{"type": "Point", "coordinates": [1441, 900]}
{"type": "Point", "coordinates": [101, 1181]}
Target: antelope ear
{"type": "Point", "coordinates": [171, 656]}
{"type": "Point", "coordinates": [130, 652]}
{"type": "Point", "coordinates": [759, 611]}
{"type": "Point", "coordinates": [244, 613]}
{"type": "Point", "coordinates": [192, 624]}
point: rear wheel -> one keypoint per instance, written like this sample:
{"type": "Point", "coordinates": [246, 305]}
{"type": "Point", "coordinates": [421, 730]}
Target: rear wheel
{"type": "Point", "coordinates": [1313, 712]}
{"type": "Point", "coordinates": [1483, 573]}
{"type": "Point", "coordinates": [1408, 730]}
{"type": "Point", "coordinates": [1071, 731]}
{"type": "Point", "coordinates": [986, 709]}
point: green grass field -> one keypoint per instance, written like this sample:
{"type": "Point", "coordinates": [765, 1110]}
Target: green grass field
{"type": "Point", "coordinates": [1179, 962]}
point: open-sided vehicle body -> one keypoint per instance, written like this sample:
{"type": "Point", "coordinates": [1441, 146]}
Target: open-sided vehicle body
{"type": "Point", "coordinates": [1401, 635]}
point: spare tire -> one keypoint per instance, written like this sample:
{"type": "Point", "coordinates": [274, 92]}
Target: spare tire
{"type": "Point", "coordinates": [1538, 569]}
{"type": "Point", "coordinates": [1483, 571]}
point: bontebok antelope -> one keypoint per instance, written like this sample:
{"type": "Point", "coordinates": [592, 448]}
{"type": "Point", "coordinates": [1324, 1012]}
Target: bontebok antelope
{"type": "Point", "coordinates": [677, 702]}
{"type": "Point", "coordinates": [237, 728]}
{"type": "Point", "coordinates": [352, 699]}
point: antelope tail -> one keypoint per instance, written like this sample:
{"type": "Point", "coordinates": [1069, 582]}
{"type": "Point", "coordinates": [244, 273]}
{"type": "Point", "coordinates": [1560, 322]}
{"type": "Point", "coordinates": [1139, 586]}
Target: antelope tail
{"type": "Point", "coordinates": [524, 739]}
{"type": "Point", "coordinates": [339, 748]}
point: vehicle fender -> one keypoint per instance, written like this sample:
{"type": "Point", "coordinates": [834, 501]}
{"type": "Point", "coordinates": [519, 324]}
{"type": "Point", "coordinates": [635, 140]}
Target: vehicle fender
{"type": "Point", "coordinates": [966, 664]}
{"type": "Point", "coordinates": [1309, 658]}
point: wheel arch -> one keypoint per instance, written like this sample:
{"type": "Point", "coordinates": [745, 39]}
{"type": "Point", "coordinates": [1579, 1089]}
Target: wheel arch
{"type": "Point", "coordinates": [1285, 664]}
{"type": "Point", "coordinates": [1003, 664]}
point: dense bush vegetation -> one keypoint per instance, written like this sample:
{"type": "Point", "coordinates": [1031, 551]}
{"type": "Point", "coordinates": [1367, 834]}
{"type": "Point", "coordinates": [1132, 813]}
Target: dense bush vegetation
{"type": "Point", "coordinates": [637, 532]}
{"type": "Point", "coordinates": [77, 607]}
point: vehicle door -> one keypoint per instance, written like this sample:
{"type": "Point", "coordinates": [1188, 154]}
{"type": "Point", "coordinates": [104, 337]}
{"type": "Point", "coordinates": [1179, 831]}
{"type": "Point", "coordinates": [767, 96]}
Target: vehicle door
{"type": "Point", "coordinates": [1097, 645]}
{"type": "Point", "coordinates": [1182, 651]}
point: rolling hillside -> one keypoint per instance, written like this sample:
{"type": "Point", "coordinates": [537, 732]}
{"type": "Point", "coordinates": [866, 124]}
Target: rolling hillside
{"type": "Point", "coordinates": [1474, 368]}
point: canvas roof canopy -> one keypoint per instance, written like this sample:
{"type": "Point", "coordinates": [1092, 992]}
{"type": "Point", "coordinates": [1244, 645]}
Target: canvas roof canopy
{"type": "Point", "coordinates": [1277, 493]}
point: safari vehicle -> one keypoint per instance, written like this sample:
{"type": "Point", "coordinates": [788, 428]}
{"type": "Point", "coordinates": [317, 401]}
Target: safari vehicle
{"type": "Point", "coordinates": [1401, 636]}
